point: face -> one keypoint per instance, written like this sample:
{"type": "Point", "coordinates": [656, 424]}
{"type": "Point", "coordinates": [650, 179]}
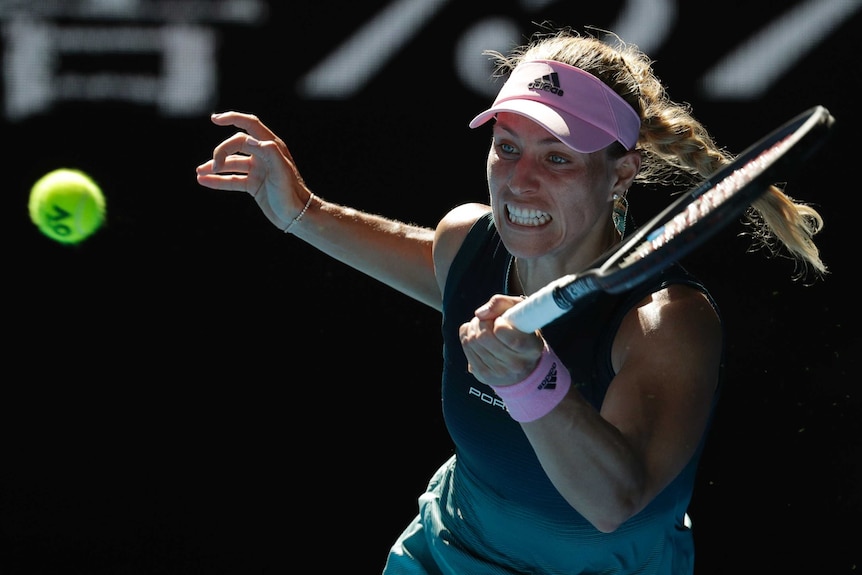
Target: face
{"type": "Point", "coordinates": [547, 199]}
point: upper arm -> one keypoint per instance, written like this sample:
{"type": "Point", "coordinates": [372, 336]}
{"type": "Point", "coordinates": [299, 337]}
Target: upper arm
{"type": "Point", "coordinates": [667, 355]}
{"type": "Point", "coordinates": [449, 236]}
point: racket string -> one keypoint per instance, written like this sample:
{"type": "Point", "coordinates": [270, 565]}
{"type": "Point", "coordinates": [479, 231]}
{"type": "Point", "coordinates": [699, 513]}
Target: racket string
{"type": "Point", "coordinates": [707, 202]}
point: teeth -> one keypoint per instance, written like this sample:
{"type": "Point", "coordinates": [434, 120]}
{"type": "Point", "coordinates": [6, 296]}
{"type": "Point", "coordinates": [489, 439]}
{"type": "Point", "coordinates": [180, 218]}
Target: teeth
{"type": "Point", "coordinates": [524, 217]}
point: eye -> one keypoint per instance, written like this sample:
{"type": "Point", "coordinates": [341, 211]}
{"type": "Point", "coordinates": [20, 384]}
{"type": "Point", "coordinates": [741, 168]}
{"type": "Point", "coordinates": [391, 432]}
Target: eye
{"type": "Point", "coordinates": [555, 159]}
{"type": "Point", "coordinates": [506, 149]}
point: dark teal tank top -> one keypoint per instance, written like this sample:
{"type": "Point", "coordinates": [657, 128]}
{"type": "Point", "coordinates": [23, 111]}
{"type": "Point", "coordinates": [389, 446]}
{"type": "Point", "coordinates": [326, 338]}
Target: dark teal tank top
{"type": "Point", "coordinates": [489, 445]}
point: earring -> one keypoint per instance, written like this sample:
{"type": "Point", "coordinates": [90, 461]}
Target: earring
{"type": "Point", "coordinates": [620, 213]}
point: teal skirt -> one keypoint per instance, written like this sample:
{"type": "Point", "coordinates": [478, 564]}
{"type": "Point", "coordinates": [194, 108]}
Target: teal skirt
{"type": "Point", "coordinates": [462, 529]}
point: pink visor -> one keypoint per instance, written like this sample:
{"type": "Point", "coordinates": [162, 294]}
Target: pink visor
{"type": "Point", "coordinates": [575, 106]}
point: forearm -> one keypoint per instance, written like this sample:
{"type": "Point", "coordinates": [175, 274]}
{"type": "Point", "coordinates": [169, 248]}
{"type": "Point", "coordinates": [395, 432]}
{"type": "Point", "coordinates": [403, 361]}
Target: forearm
{"type": "Point", "coordinates": [395, 253]}
{"type": "Point", "coordinates": [589, 462]}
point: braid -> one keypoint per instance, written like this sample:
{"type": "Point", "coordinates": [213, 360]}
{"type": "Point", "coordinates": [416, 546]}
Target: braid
{"type": "Point", "coordinates": [777, 220]}
{"type": "Point", "coordinates": [676, 148]}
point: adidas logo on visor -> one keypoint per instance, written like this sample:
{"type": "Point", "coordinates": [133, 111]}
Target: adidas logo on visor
{"type": "Point", "coordinates": [547, 83]}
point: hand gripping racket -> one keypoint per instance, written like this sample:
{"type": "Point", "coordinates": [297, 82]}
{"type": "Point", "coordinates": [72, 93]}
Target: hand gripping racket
{"type": "Point", "coordinates": [684, 225]}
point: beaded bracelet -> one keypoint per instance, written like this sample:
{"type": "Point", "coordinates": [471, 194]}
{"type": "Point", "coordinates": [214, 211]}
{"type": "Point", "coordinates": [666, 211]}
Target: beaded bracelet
{"type": "Point", "coordinates": [537, 395]}
{"type": "Point", "coordinates": [302, 213]}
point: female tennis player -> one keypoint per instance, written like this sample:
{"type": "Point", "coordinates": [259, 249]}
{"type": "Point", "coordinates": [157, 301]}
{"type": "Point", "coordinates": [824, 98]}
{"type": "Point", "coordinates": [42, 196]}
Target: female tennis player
{"type": "Point", "coordinates": [576, 446]}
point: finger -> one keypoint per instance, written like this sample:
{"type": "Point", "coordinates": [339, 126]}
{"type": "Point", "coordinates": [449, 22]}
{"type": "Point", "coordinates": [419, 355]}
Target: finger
{"type": "Point", "coordinates": [247, 122]}
{"type": "Point", "coordinates": [479, 367]}
{"type": "Point", "coordinates": [487, 332]}
{"type": "Point", "coordinates": [232, 163]}
{"type": "Point", "coordinates": [238, 163]}
{"type": "Point", "coordinates": [481, 345]}
{"type": "Point", "coordinates": [236, 173]}
{"type": "Point", "coordinates": [229, 182]}
{"type": "Point", "coordinates": [236, 144]}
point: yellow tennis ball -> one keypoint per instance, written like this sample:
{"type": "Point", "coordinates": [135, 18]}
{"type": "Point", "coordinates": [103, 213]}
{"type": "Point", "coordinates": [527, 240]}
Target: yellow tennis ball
{"type": "Point", "coordinates": [67, 205]}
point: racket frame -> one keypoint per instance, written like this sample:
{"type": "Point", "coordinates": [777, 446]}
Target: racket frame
{"type": "Point", "coordinates": [685, 224]}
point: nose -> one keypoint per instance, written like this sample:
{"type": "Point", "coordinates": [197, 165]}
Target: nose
{"type": "Point", "coordinates": [523, 177]}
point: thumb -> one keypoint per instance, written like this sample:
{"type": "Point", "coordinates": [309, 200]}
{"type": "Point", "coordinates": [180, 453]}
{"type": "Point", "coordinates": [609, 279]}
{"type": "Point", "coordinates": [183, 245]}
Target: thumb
{"type": "Point", "coordinates": [496, 306]}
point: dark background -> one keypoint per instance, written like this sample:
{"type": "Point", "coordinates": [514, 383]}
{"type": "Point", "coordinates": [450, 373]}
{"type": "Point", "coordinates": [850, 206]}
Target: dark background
{"type": "Point", "coordinates": [191, 391]}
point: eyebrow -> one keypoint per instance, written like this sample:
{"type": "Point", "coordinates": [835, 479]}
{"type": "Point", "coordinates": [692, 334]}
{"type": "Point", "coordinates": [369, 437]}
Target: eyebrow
{"type": "Point", "coordinates": [549, 141]}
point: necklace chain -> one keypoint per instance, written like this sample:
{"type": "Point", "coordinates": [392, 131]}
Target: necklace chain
{"type": "Point", "coordinates": [514, 263]}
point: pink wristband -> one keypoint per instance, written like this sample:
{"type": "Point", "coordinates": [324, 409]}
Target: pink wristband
{"type": "Point", "coordinates": [540, 392]}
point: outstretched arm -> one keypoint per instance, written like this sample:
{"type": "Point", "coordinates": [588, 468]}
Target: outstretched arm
{"type": "Point", "coordinates": [256, 161]}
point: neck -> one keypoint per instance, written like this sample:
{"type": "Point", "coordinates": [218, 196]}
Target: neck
{"type": "Point", "coordinates": [532, 274]}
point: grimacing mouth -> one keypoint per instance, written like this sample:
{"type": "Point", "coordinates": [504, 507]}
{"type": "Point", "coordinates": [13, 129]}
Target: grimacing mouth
{"type": "Point", "coordinates": [527, 217]}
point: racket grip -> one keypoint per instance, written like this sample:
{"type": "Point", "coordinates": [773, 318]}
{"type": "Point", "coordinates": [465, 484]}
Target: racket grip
{"type": "Point", "coordinates": [539, 309]}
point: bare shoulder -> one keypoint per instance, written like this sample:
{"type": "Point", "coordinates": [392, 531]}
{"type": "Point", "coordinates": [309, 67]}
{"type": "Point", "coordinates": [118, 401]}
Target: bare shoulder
{"type": "Point", "coordinates": [450, 234]}
{"type": "Point", "coordinates": [678, 317]}
{"type": "Point", "coordinates": [675, 303]}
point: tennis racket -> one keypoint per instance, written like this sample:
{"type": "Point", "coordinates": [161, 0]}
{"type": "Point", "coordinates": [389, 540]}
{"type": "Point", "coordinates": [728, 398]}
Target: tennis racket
{"type": "Point", "coordinates": [684, 225]}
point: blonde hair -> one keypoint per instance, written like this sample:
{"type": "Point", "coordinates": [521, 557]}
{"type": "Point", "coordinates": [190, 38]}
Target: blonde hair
{"type": "Point", "coordinates": [676, 148]}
